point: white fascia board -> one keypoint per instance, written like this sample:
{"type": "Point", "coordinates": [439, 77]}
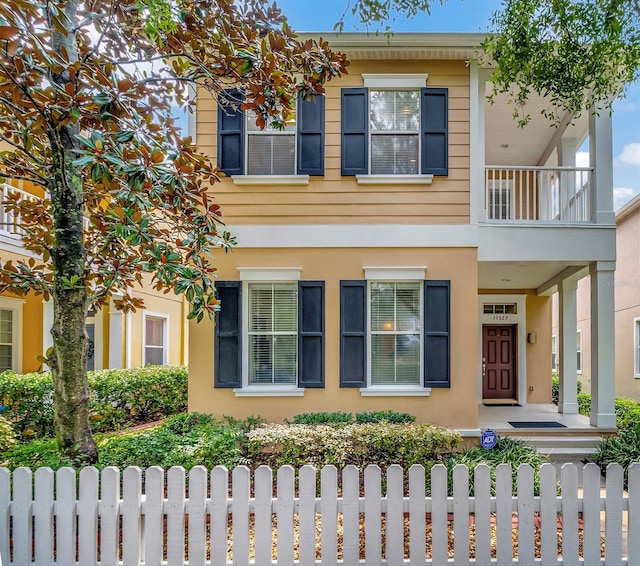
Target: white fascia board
{"type": "Point", "coordinates": [356, 236]}
{"type": "Point", "coordinates": [546, 243]}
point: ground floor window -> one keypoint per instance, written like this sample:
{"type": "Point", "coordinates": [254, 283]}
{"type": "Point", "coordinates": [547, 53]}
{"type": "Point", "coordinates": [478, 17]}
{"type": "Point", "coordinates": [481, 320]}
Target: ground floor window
{"type": "Point", "coordinates": [7, 339]}
{"type": "Point", "coordinates": [155, 339]}
{"type": "Point", "coordinates": [395, 332]}
{"type": "Point", "coordinates": [273, 333]}
{"type": "Point", "coordinates": [554, 353]}
{"type": "Point", "coordinates": [579, 351]}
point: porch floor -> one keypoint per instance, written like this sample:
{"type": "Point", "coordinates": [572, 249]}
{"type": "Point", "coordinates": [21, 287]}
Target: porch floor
{"type": "Point", "coordinates": [497, 418]}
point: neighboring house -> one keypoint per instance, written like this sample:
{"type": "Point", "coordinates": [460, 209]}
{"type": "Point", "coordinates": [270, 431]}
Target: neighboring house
{"type": "Point", "coordinates": [399, 245]}
{"type": "Point", "coordinates": [157, 334]}
{"type": "Point", "coordinates": [627, 309]}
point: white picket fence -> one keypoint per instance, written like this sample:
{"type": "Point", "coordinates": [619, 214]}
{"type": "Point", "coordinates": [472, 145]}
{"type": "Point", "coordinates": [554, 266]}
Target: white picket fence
{"type": "Point", "coordinates": [156, 518]}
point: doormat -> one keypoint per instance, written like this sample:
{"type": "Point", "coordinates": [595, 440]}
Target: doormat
{"type": "Point", "coordinates": [536, 424]}
{"type": "Point", "coordinates": [501, 405]}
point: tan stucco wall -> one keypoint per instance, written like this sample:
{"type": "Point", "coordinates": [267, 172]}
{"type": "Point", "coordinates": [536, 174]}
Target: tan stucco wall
{"type": "Point", "coordinates": [333, 199]}
{"type": "Point", "coordinates": [456, 407]}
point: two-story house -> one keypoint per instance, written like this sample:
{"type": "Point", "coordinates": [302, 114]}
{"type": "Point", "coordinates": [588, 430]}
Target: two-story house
{"type": "Point", "coordinates": [156, 334]}
{"type": "Point", "coordinates": [398, 246]}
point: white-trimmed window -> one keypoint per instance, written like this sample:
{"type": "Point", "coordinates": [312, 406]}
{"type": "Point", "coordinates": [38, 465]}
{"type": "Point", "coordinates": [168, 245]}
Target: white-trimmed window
{"type": "Point", "coordinates": [636, 347]}
{"type": "Point", "coordinates": [554, 353]}
{"type": "Point", "coordinates": [394, 126]}
{"type": "Point", "coordinates": [500, 199]}
{"type": "Point", "coordinates": [155, 339]}
{"type": "Point", "coordinates": [579, 351]}
{"type": "Point", "coordinates": [10, 329]}
{"type": "Point", "coordinates": [270, 151]}
{"type": "Point", "coordinates": [273, 333]}
{"type": "Point", "coordinates": [395, 315]}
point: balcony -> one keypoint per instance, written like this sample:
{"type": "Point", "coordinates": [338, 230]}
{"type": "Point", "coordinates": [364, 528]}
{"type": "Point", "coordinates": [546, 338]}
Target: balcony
{"type": "Point", "coordinates": [538, 194]}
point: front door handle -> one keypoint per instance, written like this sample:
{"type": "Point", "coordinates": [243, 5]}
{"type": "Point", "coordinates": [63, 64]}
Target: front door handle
{"type": "Point", "coordinates": [484, 366]}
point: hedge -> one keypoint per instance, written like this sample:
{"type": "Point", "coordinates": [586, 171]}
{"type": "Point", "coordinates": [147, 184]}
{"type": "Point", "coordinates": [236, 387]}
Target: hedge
{"type": "Point", "coordinates": [119, 398]}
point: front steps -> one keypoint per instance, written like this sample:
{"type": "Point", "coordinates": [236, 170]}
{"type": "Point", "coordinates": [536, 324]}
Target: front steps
{"type": "Point", "coordinates": [563, 448]}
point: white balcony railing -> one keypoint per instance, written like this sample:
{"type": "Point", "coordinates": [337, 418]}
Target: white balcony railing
{"type": "Point", "coordinates": [546, 194]}
{"type": "Point", "coordinates": [9, 220]}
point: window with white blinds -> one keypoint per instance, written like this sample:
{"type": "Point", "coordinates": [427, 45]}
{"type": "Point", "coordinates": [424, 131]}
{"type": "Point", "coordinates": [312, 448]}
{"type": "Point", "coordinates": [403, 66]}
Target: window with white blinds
{"type": "Point", "coordinates": [6, 339]}
{"type": "Point", "coordinates": [395, 332]}
{"type": "Point", "coordinates": [394, 120]}
{"type": "Point", "coordinates": [270, 151]}
{"type": "Point", "coordinates": [273, 333]}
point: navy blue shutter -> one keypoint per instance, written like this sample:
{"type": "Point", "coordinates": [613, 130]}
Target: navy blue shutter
{"type": "Point", "coordinates": [231, 134]}
{"type": "Point", "coordinates": [434, 125]}
{"type": "Point", "coordinates": [437, 339]}
{"type": "Point", "coordinates": [353, 333]}
{"type": "Point", "coordinates": [310, 117]}
{"type": "Point", "coordinates": [228, 336]}
{"type": "Point", "coordinates": [311, 333]}
{"type": "Point", "coordinates": [355, 131]}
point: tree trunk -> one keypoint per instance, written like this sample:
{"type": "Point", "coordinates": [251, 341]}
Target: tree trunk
{"type": "Point", "coordinates": [68, 361]}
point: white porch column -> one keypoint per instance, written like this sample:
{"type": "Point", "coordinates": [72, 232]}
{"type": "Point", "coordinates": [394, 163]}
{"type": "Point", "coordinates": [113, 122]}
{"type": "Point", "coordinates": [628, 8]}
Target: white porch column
{"type": "Point", "coordinates": [568, 328]}
{"type": "Point", "coordinates": [115, 338]}
{"type": "Point", "coordinates": [601, 160]}
{"type": "Point", "coordinates": [602, 344]}
{"type": "Point", "coordinates": [477, 101]}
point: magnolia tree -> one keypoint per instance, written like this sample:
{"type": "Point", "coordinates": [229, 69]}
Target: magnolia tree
{"type": "Point", "coordinates": [86, 93]}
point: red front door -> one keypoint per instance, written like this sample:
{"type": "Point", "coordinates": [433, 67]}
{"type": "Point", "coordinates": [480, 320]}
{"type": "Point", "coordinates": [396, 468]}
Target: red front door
{"type": "Point", "coordinates": [499, 362]}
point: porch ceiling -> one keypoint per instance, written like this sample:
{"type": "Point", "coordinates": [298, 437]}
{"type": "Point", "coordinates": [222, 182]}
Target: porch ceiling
{"type": "Point", "coordinates": [517, 275]}
{"type": "Point", "coordinates": [507, 144]}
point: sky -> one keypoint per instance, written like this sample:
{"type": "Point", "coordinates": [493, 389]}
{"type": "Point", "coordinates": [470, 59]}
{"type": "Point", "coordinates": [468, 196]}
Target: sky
{"type": "Point", "coordinates": [475, 16]}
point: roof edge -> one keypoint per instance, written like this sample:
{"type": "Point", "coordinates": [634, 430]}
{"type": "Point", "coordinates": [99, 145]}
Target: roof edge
{"type": "Point", "coordinates": [628, 209]}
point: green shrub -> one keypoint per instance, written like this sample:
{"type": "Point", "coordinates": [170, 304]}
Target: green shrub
{"type": "Point", "coordinates": [7, 436]}
{"type": "Point", "coordinates": [384, 416]}
{"type": "Point", "coordinates": [627, 414]}
{"type": "Point", "coordinates": [321, 418]}
{"type": "Point", "coordinates": [384, 444]}
{"type": "Point", "coordinates": [507, 451]}
{"type": "Point", "coordinates": [555, 388]}
{"type": "Point", "coordinates": [623, 448]}
{"type": "Point", "coordinates": [119, 398]}
{"type": "Point", "coordinates": [584, 403]}
{"type": "Point", "coordinates": [188, 440]}
{"type": "Point", "coordinates": [35, 454]}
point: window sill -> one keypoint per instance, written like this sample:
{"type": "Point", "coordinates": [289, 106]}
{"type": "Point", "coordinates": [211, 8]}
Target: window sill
{"type": "Point", "coordinates": [395, 391]}
{"type": "Point", "coordinates": [394, 179]}
{"type": "Point", "coordinates": [270, 179]}
{"type": "Point", "coordinates": [269, 391]}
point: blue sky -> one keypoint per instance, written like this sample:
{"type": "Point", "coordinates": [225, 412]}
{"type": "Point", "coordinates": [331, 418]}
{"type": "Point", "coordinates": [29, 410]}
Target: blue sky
{"type": "Point", "coordinates": [474, 16]}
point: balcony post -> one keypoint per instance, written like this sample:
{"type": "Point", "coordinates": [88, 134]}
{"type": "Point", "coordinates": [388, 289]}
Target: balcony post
{"type": "Point", "coordinates": [601, 161]}
{"type": "Point", "coordinates": [602, 344]}
{"type": "Point", "coordinates": [568, 326]}
{"type": "Point", "coordinates": [477, 101]}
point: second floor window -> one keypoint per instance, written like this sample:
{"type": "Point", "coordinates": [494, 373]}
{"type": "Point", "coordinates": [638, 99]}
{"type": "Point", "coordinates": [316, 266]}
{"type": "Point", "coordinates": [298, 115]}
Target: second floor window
{"type": "Point", "coordinates": [270, 151]}
{"type": "Point", "coordinates": [394, 124]}
{"type": "Point", "coordinates": [245, 149]}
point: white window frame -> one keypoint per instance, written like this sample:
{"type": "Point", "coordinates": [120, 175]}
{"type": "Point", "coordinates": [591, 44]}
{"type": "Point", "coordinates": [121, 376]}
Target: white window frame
{"type": "Point", "coordinates": [16, 306]}
{"type": "Point", "coordinates": [165, 336]}
{"type": "Point", "coordinates": [262, 275]}
{"type": "Point", "coordinates": [390, 81]}
{"type": "Point", "coordinates": [636, 347]}
{"type": "Point", "coordinates": [579, 351]}
{"type": "Point", "coordinates": [554, 353]}
{"type": "Point", "coordinates": [410, 274]}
